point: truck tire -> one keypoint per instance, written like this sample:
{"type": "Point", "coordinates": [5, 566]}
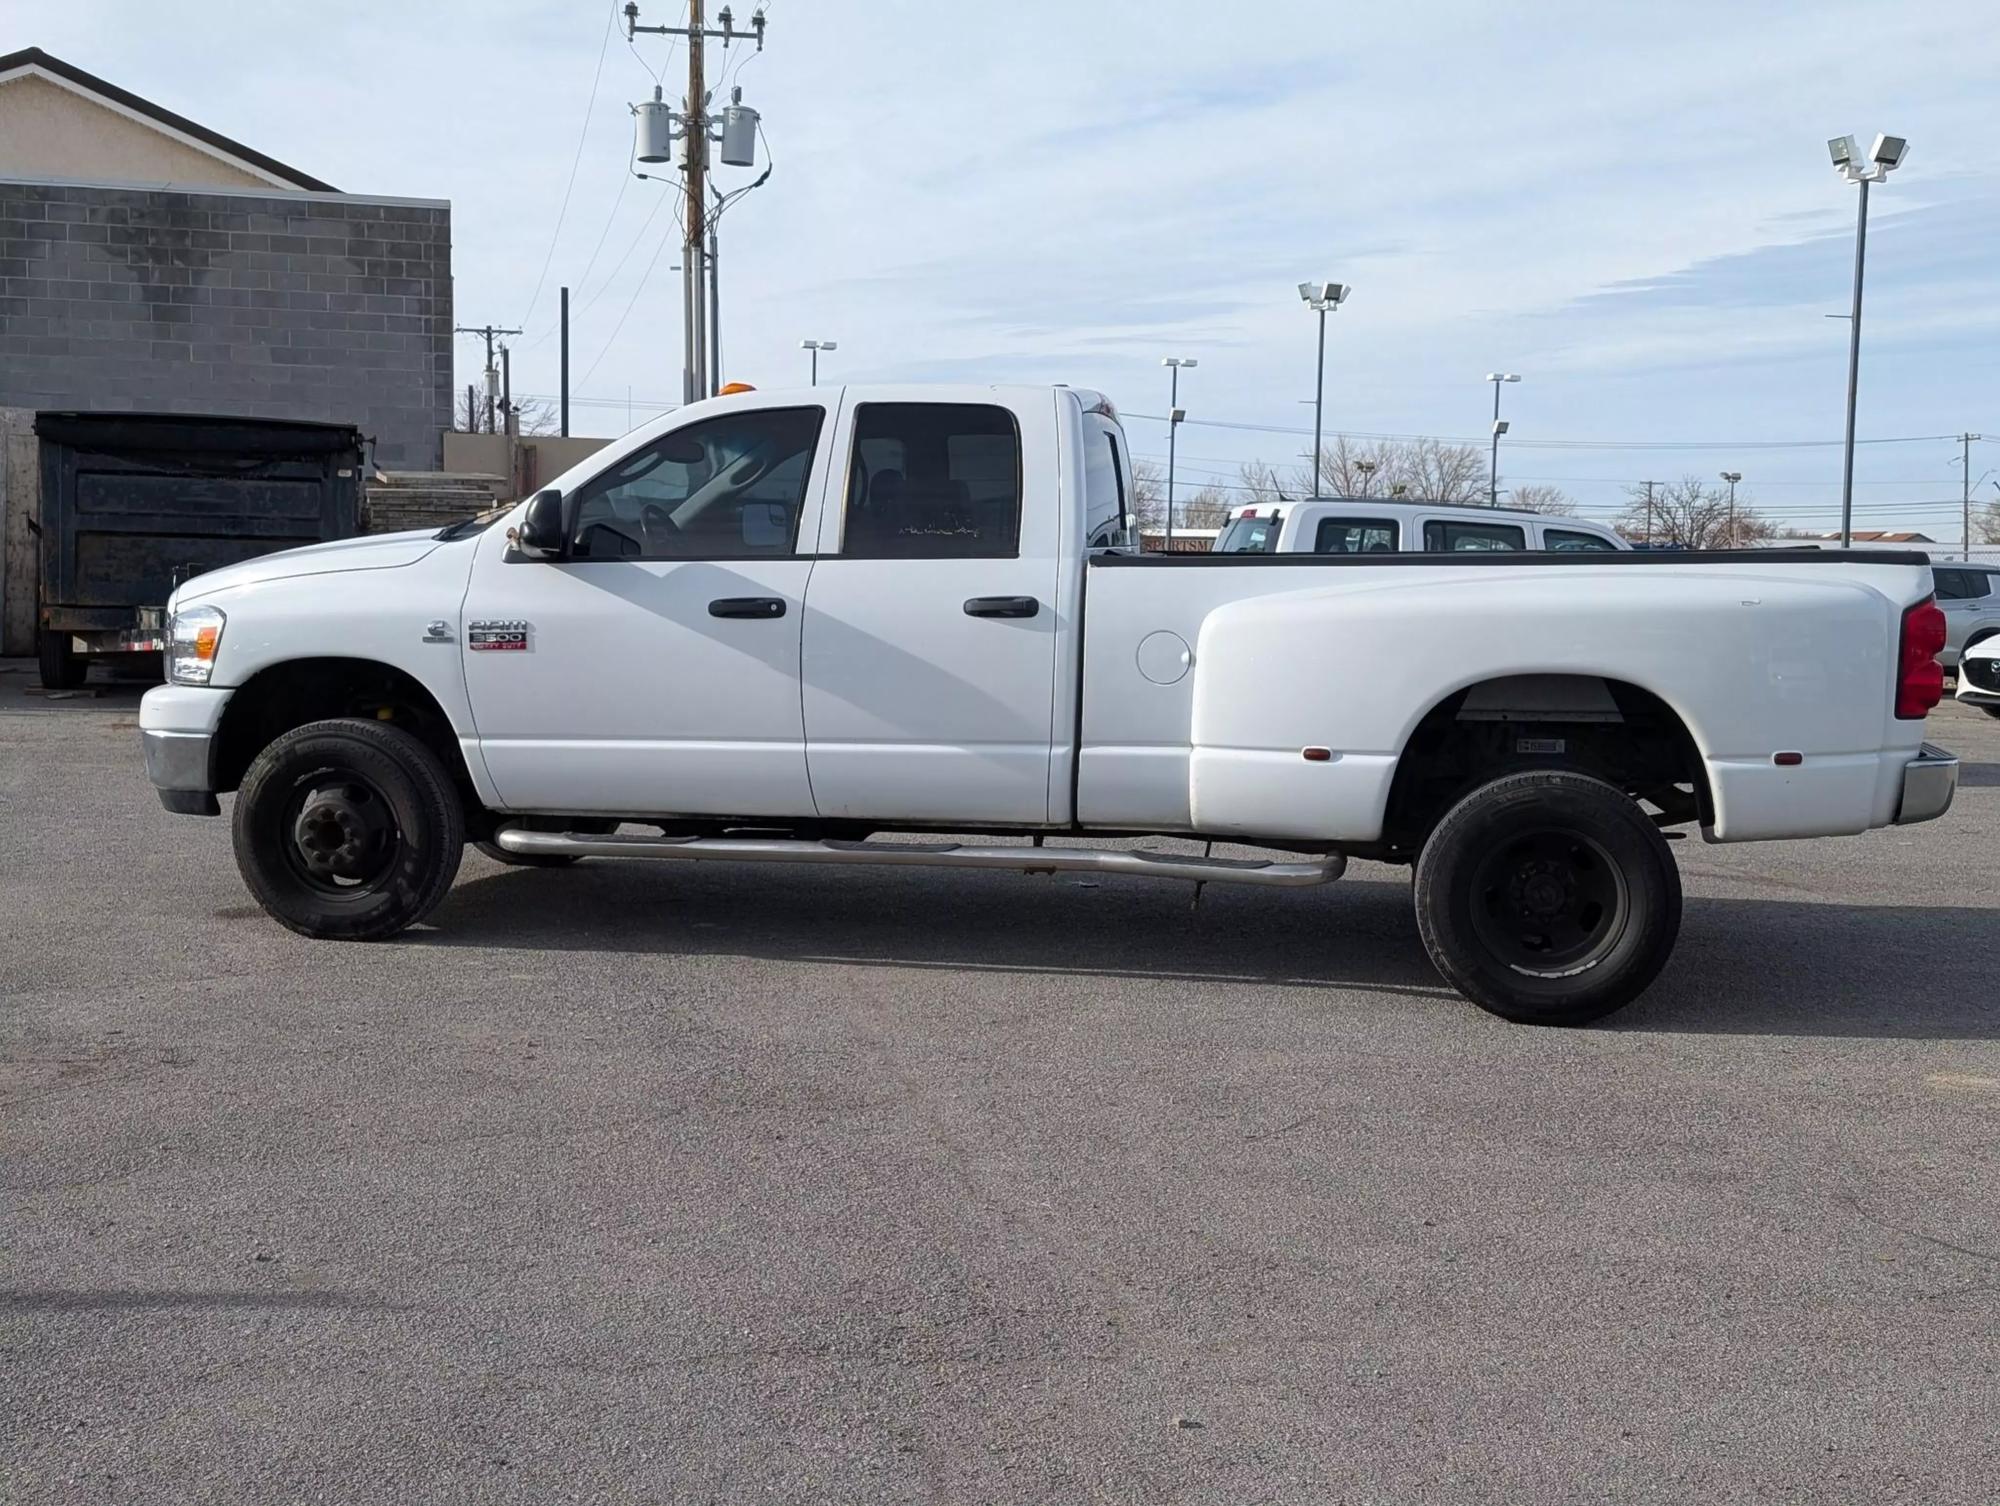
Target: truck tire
{"type": "Point", "coordinates": [1548, 898]}
{"type": "Point", "coordinates": [63, 668]}
{"type": "Point", "coordinates": [348, 830]}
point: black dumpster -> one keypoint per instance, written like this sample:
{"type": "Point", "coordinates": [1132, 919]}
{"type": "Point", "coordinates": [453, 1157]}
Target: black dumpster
{"type": "Point", "coordinates": [134, 503]}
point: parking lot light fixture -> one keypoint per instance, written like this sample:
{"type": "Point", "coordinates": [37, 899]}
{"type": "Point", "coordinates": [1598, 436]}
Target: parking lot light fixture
{"type": "Point", "coordinates": [816, 346]}
{"type": "Point", "coordinates": [1884, 157]}
{"type": "Point", "coordinates": [1493, 477]}
{"type": "Point", "coordinates": [1732, 477]}
{"type": "Point", "coordinates": [1322, 298]}
{"type": "Point", "coordinates": [1175, 366]}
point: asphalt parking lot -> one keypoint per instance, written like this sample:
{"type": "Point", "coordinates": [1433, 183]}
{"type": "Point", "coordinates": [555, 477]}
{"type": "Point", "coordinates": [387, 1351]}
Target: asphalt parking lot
{"type": "Point", "coordinates": [643, 1182]}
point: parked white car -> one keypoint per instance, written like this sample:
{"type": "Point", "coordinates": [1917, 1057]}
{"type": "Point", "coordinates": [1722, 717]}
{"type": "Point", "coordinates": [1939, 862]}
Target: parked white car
{"type": "Point", "coordinates": [1377, 525]}
{"type": "Point", "coordinates": [1979, 676]}
{"type": "Point", "coordinates": [1970, 597]}
{"type": "Point", "coordinates": [777, 625]}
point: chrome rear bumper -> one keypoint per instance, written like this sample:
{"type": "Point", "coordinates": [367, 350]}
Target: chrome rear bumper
{"type": "Point", "coordinates": [1929, 781]}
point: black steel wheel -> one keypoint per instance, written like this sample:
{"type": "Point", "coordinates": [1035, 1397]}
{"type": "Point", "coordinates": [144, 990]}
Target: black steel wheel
{"type": "Point", "coordinates": [1548, 897]}
{"type": "Point", "coordinates": [348, 829]}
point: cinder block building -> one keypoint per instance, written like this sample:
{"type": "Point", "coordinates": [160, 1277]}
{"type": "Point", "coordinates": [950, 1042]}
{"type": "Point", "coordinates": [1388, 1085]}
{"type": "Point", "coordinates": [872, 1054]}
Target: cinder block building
{"type": "Point", "coordinates": [149, 264]}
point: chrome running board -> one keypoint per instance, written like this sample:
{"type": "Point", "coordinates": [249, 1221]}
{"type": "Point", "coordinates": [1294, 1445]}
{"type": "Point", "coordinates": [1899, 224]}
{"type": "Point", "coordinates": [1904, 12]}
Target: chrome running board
{"type": "Point", "coordinates": [1133, 862]}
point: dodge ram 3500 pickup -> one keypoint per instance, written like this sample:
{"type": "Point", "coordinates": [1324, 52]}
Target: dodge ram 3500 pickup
{"type": "Point", "coordinates": [801, 626]}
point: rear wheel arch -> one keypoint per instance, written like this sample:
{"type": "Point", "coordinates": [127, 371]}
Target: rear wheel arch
{"type": "Point", "coordinates": [1648, 752]}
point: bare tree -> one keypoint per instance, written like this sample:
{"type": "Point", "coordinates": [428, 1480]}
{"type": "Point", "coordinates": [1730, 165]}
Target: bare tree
{"type": "Point", "coordinates": [1149, 495]}
{"type": "Point", "coordinates": [1689, 514]}
{"type": "Point", "coordinates": [1426, 470]}
{"type": "Point", "coordinates": [1258, 482]}
{"type": "Point", "coordinates": [1207, 508]}
{"type": "Point", "coordinates": [538, 416]}
{"type": "Point", "coordinates": [1986, 523]}
{"type": "Point", "coordinates": [1552, 500]}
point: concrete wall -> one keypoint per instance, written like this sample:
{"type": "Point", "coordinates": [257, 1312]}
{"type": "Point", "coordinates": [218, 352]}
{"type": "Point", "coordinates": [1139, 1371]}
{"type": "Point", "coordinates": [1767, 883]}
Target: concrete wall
{"type": "Point", "coordinates": [541, 457]}
{"type": "Point", "coordinates": [47, 131]}
{"type": "Point", "coordinates": [266, 304]}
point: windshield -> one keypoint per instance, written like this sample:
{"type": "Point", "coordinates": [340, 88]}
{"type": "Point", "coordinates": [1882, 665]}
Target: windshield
{"type": "Point", "coordinates": [1250, 536]}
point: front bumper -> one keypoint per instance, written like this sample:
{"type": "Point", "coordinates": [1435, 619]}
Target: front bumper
{"type": "Point", "coordinates": [177, 727]}
{"type": "Point", "coordinates": [1929, 781]}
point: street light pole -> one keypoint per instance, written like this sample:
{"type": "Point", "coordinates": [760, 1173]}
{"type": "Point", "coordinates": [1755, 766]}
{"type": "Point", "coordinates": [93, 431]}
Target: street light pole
{"type": "Point", "coordinates": [1853, 372]}
{"type": "Point", "coordinates": [1323, 298]}
{"type": "Point", "coordinates": [1732, 477]}
{"type": "Point", "coordinates": [1885, 156]}
{"type": "Point", "coordinates": [1493, 472]}
{"type": "Point", "coordinates": [1174, 416]}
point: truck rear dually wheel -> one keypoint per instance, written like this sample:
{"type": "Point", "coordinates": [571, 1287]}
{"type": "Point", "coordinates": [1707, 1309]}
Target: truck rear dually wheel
{"type": "Point", "coordinates": [348, 829]}
{"type": "Point", "coordinates": [1548, 898]}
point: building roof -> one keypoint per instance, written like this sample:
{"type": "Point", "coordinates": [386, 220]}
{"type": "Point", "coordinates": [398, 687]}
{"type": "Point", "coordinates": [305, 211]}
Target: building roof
{"type": "Point", "coordinates": [1878, 536]}
{"type": "Point", "coordinates": [34, 61]}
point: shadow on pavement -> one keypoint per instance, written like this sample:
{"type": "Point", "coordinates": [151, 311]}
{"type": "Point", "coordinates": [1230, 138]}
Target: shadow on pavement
{"type": "Point", "coordinates": [1744, 966]}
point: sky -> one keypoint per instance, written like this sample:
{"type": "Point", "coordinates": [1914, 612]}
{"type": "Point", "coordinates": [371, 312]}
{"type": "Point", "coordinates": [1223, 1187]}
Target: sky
{"type": "Point", "coordinates": [1629, 205]}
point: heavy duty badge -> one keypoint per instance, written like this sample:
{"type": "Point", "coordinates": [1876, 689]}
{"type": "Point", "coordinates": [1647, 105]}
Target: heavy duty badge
{"type": "Point", "coordinates": [483, 637]}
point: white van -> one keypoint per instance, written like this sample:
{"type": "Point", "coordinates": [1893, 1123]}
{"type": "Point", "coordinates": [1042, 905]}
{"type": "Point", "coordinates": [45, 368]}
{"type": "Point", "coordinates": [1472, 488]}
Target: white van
{"type": "Point", "coordinates": [1377, 525]}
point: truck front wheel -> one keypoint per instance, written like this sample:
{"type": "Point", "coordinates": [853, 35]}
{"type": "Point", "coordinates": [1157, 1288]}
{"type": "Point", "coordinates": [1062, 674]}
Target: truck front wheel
{"type": "Point", "coordinates": [63, 668]}
{"type": "Point", "coordinates": [1548, 897]}
{"type": "Point", "coordinates": [348, 829]}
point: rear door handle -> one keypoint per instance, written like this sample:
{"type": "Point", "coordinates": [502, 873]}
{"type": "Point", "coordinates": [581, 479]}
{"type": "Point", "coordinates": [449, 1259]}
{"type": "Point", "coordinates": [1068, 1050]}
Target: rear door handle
{"type": "Point", "coordinates": [747, 606]}
{"type": "Point", "coordinates": [1002, 606]}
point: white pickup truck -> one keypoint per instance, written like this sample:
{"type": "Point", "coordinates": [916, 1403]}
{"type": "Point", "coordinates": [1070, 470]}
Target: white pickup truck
{"type": "Point", "coordinates": [785, 626]}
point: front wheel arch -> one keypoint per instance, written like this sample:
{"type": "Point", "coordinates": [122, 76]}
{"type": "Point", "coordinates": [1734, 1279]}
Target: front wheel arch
{"type": "Point", "coordinates": [283, 696]}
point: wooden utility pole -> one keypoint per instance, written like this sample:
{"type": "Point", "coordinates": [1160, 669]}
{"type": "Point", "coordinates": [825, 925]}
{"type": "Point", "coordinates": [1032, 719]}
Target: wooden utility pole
{"type": "Point", "coordinates": [1965, 485]}
{"type": "Point", "coordinates": [694, 241]}
{"type": "Point", "coordinates": [489, 333]}
{"type": "Point", "coordinates": [700, 371]}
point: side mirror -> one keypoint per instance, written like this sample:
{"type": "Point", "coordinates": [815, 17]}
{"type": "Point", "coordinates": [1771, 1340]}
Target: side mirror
{"type": "Point", "coordinates": [543, 529]}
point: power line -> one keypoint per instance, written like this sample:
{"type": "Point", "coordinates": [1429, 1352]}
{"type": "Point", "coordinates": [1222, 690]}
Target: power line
{"type": "Point", "coordinates": [582, 135]}
{"type": "Point", "coordinates": [1555, 444]}
{"type": "Point", "coordinates": [637, 288]}
{"type": "Point", "coordinates": [1233, 468]}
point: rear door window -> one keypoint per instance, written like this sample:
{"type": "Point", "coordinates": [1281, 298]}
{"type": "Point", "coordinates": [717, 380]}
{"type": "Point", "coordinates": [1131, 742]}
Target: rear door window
{"type": "Point", "coordinates": [1355, 536]}
{"type": "Point", "coordinates": [1442, 536]}
{"type": "Point", "coordinates": [934, 481]}
{"type": "Point", "coordinates": [1250, 536]}
{"type": "Point", "coordinates": [1570, 540]}
{"type": "Point", "coordinates": [1107, 501]}
{"type": "Point", "coordinates": [1956, 585]}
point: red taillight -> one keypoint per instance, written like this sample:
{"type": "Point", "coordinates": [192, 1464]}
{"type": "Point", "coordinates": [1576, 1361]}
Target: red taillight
{"type": "Point", "coordinates": [1919, 676]}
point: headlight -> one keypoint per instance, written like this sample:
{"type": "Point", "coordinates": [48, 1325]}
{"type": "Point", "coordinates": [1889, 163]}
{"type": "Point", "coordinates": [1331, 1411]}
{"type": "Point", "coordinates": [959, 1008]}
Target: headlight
{"type": "Point", "coordinates": [192, 639]}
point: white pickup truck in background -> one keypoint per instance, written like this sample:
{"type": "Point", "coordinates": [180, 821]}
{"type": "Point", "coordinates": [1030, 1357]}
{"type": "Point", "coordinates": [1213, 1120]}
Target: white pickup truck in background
{"type": "Point", "coordinates": [777, 626]}
{"type": "Point", "coordinates": [1389, 525]}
